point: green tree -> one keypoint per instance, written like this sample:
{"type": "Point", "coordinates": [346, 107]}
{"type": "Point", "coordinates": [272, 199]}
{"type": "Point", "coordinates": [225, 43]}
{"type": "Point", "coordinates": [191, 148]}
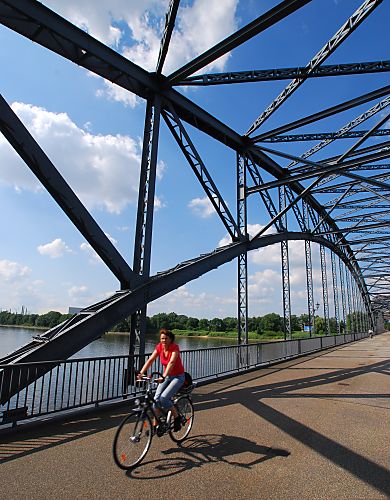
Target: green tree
{"type": "Point", "coordinates": [48, 320]}
{"type": "Point", "coordinates": [217, 325]}
{"type": "Point", "coordinates": [272, 322]}
{"type": "Point", "coordinates": [230, 323]}
{"type": "Point", "coordinates": [192, 324]}
{"type": "Point", "coordinates": [204, 324]}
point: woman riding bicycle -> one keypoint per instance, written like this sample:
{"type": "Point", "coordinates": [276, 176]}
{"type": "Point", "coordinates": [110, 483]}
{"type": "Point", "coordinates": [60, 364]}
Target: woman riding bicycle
{"type": "Point", "coordinates": [173, 374]}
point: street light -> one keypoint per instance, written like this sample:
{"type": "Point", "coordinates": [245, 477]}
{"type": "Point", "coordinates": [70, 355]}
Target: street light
{"type": "Point", "coordinates": [316, 307]}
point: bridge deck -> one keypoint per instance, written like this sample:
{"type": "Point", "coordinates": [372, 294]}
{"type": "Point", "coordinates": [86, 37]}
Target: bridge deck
{"type": "Point", "coordinates": [316, 427]}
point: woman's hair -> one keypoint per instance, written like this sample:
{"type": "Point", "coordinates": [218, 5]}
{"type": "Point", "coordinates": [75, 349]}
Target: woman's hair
{"type": "Point", "coordinates": [168, 333]}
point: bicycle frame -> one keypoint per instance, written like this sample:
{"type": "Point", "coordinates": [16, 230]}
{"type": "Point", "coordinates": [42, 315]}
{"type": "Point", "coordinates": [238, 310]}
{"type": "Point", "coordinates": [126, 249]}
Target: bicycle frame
{"type": "Point", "coordinates": [146, 403]}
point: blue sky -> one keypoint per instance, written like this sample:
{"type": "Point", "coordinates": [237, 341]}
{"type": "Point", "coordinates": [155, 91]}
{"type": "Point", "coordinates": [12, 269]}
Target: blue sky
{"type": "Point", "coordinates": [92, 132]}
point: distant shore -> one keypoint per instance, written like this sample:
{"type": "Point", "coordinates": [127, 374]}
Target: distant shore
{"type": "Point", "coordinates": [28, 327]}
{"type": "Point", "coordinates": [179, 334]}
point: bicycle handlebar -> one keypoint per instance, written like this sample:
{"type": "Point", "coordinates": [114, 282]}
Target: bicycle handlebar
{"type": "Point", "coordinates": [145, 378]}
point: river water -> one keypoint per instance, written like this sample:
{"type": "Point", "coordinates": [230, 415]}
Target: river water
{"type": "Point", "coordinates": [112, 344]}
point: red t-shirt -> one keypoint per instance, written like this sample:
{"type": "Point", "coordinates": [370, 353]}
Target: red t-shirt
{"type": "Point", "coordinates": [178, 368]}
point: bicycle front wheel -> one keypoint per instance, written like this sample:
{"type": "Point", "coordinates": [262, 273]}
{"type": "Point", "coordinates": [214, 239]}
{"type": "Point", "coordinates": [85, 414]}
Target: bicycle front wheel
{"type": "Point", "coordinates": [132, 440]}
{"type": "Point", "coordinates": [186, 411]}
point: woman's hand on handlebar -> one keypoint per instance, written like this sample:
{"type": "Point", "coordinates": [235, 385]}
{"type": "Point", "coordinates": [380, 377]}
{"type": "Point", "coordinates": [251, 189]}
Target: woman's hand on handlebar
{"type": "Point", "coordinates": [157, 377]}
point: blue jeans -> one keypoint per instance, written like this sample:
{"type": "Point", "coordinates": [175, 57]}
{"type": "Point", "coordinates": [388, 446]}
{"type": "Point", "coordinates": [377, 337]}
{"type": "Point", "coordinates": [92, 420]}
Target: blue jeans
{"type": "Point", "coordinates": [166, 390]}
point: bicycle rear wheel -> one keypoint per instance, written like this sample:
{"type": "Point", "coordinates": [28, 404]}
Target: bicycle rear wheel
{"type": "Point", "coordinates": [132, 440]}
{"type": "Point", "coordinates": [186, 411]}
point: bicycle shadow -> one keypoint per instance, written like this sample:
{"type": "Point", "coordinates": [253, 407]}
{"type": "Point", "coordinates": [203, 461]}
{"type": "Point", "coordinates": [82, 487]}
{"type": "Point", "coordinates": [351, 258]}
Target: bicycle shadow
{"type": "Point", "coordinates": [198, 451]}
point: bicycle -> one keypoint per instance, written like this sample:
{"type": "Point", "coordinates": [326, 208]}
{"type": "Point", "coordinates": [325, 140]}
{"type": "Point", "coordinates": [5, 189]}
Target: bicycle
{"type": "Point", "coordinates": [135, 433]}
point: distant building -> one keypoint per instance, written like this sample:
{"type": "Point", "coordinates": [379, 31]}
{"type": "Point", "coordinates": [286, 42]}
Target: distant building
{"type": "Point", "coordinates": [74, 310]}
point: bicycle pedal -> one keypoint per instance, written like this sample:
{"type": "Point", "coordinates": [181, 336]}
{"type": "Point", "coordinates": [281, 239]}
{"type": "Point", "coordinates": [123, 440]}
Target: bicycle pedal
{"type": "Point", "coordinates": [160, 431]}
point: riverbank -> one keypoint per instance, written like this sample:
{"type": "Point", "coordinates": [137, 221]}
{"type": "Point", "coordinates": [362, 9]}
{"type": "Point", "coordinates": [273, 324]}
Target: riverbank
{"type": "Point", "coordinates": [28, 327]}
{"type": "Point", "coordinates": [267, 336]}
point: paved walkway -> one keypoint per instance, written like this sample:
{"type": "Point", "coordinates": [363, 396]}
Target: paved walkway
{"type": "Point", "coordinates": [313, 428]}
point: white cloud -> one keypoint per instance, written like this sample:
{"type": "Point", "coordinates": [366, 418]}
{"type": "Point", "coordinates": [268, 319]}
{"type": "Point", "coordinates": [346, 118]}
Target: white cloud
{"type": "Point", "coordinates": [78, 292]}
{"type": "Point", "coordinates": [202, 207]}
{"type": "Point", "coordinates": [136, 31]}
{"type": "Point", "coordinates": [13, 271]}
{"type": "Point", "coordinates": [158, 203]}
{"type": "Point", "coordinates": [271, 255]}
{"type": "Point", "coordinates": [252, 229]}
{"type": "Point", "coordinates": [93, 256]}
{"type": "Point", "coordinates": [54, 249]}
{"type": "Point", "coordinates": [117, 94]}
{"type": "Point", "coordinates": [21, 289]}
{"type": "Point", "coordinates": [103, 170]}
{"type": "Point", "coordinates": [201, 305]}
{"type": "Point", "coordinates": [261, 285]}
{"type": "Point", "coordinates": [214, 18]}
{"type": "Point", "coordinates": [382, 115]}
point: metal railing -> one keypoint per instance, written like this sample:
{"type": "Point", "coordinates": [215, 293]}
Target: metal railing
{"type": "Point", "coordinates": [58, 386]}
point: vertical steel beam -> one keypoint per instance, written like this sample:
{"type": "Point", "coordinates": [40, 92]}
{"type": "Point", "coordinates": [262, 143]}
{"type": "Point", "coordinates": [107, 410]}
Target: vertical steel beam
{"type": "Point", "coordinates": [360, 310]}
{"type": "Point", "coordinates": [325, 289]}
{"type": "Point", "coordinates": [343, 295]}
{"type": "Point", "coordinates": [309, 271]}
{"type": "Point", "coordinates": [242, 334]}
{"type": "Point", "coordinates": [351, 319]}
{"type": "Point", "coordinates": [285, 269]}
{"type": "Point", "coordinates": [143, 234]}
{"type": "Point", "coordinates": [335, 292]}
{"type": "Point", "coordinates": [354, 302]}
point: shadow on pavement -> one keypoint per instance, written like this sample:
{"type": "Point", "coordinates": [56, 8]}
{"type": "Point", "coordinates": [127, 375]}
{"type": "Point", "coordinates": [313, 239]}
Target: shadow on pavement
{"type": "Point", "coordinates": [34, 438]}
{"type": "Point", "coordinates": [201, 450]}
{"type": "Point", "coordinates": [356, 464]}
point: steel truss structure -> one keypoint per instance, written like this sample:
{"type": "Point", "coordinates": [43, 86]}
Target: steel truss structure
{"type": "Point", "coordinates": [293, 189]}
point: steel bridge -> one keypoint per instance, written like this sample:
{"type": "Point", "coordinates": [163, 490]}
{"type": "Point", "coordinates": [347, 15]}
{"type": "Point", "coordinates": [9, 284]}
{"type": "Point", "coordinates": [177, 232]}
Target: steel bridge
{"type": "Point", "coordinates": [338, 203]}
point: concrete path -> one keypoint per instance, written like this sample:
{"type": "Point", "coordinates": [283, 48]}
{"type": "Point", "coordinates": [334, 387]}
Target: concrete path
{"type": "Point", "coordinates": [313, 428]}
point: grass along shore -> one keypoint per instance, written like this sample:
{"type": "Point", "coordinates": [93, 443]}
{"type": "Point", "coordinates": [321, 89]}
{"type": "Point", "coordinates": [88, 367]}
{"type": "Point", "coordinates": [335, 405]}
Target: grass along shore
{"type": "Point", "coordinates": [266, 335]}
{"type": "Point", "coordinates": [253, 336]}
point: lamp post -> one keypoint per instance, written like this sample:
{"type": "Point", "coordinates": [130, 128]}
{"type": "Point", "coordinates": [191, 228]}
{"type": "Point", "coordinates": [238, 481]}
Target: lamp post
{"type": "Point", "coordinates": [316, 307]}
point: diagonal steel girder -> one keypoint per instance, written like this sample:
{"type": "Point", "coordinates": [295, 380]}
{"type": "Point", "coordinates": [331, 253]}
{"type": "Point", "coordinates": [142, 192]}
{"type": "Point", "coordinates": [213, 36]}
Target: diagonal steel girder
{"type": "Point", "coordinates": [338, 108]}
{"type": "Point", "coordinates": [325, 189]}
{"type": "Point", "coordinates": [260, 24]}
{"type": "Point", "coordinates": [380, 146]}
{"type": "Point", "coordinates": [199, 168]}
{"type": "Point", "coordinates": [359, 228]}
{"type": "Point", "coordinates": [263, 75]}
{"type": "Point", "coordinates": [321, 169]}
{"type": "Point", "coordinates": [28, 149]}
{"type": "Point", "coordinates": [362, 139]}
{"type": "Point", "coordinates": [346, 29]}
{"type": "Point", "coordinates": [372, 216]}
{"type": "Point", "coordinates": [320, 136]}
{"type": "Point", "coordinates": [346, 128]}
{"type": "Point", "coordinates": [168, 29]}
